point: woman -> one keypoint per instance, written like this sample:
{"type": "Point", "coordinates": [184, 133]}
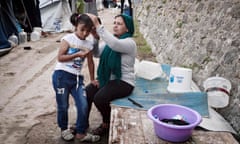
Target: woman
{"type": "Point", "coordinates": [116, 67]}
{"type": "Point", "coordinates": [68, 80]}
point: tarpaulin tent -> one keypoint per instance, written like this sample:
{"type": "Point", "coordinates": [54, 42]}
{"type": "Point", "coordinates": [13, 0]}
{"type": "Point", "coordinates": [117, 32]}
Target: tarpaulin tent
{"type": "Point", "coordinates": [28, 14]}
{"type": "Point", "coordinates": [16, 15]}
{"type": "Point", "coordinates": [55, 15]}
{"type": "Point", "coordinates": [7, 25]}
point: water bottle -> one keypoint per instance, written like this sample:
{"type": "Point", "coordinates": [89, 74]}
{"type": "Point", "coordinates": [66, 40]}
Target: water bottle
{"type": "Point", "coordinates": [22, 37]}
{"type": "Point", "coordinates": [13, 38]}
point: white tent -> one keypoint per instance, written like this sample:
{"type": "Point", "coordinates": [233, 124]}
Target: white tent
{"type": "Point", "coordinates": [55, 15]}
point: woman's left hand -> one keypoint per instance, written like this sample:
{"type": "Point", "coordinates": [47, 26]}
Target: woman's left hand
{"type": "Point", "coordinates": [95, 83]}
{"type": "Point", "coordinates": [94, 33]}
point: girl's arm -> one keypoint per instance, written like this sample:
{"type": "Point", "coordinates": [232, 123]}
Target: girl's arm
{"type": "Point", "coordinates": [62, 53]}
{"type": "Point", "coordinates": [91, 66]}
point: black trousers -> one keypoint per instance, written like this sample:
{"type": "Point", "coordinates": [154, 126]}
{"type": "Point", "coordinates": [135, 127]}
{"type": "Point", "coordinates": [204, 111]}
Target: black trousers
{"type": "Point", "coordinates": [105, 3]}
{"type": "Point", "coordinates": [102, 97]}
{"type": "Point", "coordinates": [130, 7]}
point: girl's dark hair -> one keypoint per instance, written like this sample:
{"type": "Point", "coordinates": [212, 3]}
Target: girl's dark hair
{"type": "Point", "coordinates": [76, 19]}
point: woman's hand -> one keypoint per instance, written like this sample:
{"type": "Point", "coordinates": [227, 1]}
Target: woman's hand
{"type": "Point", "coordinates": [94, 19]}
{"type": "Point", "coordinates": [94, 33]}
{"type": "Point", "coordinates": [95, 83]}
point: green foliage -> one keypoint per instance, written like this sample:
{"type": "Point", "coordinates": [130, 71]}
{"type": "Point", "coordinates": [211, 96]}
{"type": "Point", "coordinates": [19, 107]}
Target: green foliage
{"type": "Point", "coordinates": [177, 35]}
{"type": "Point", "coordinates": [80, 6]}
{"type": "Point", "coordinates": [148, 7]}
{"type": "Point", "coordinates": [179, 23]}
{"type": "Point", "coordinates": [206, 60]}
{"type": "Point", "coordinates": [164, 1]}
{"type": "Point", "coordinates": [144, 50]}
{"type": "Point", "coordinates": [193, 66]}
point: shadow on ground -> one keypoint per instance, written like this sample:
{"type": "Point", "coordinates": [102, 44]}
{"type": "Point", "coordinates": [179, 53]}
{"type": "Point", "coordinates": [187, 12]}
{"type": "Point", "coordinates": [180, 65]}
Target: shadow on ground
{"type": "Point", "coordinates": [47, 132]}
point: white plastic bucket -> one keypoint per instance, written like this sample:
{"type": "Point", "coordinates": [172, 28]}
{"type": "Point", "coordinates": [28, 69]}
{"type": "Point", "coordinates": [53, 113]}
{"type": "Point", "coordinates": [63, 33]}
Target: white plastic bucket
{"type": "Point", "coordinates": [218, 90]}
{"type": "Point", "coordinates": [179, 80]}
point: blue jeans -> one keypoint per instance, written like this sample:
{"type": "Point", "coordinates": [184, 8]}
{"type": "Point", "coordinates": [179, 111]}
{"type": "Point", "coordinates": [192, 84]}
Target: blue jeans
{"type": "Point", "coordinates": [64, 84]}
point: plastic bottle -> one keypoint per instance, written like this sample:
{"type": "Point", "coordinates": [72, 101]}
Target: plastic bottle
{"type": "Point", "coordinates": [22, 37]}
{"type": "Point", "coordinates": [13, 38]}
{"type": "Point", "coordinates": [35, 36]}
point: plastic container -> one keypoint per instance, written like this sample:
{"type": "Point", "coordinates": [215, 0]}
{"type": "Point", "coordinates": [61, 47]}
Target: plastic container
{"type": "Point", "coordinates": [180, 80]}
{"type": "Point", "coordinates": [169, 132]}
{"type": "Point", "coordinates": [35, 36]}
{"type": "Point", "coordinates": [14, 39]}
{"type": "Point", "coordinates": [149, 70]}
{"type": "Point", "coordinates": [38, 29]}
{"type": "Point", "coordinates": [22, 37]}
{"type": "Point", "coordinates": [218, 90]}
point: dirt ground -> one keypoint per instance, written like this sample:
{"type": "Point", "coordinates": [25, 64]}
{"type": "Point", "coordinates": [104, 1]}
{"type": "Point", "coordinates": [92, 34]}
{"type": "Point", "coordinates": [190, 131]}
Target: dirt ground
{"type": "Point", "coordinates": [27, 99]}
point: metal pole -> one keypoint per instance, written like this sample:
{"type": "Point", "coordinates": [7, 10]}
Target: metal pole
{"type": "Point", "coordinates": [73, 2]}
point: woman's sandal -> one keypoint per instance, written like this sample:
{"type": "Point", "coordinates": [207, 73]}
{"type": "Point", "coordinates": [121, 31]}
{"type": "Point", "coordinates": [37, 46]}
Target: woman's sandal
{"type": "Point", "coordinates": [67, 135]}
{"type": "Point", "coordinates": [73, 129]}
{"type": "Point", "coordinates": [101, 130]}
{"type": "Point", "coordinates": [89, 138]}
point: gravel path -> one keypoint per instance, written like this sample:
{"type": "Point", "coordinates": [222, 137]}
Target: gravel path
{"type": "Point", "coordinates": [27, 105]}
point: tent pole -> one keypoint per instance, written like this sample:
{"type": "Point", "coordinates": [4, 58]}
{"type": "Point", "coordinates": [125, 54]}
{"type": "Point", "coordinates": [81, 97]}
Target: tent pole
{"type": "Point", "coordinates": [25, 11]}
{"type": "Point", "coordinates": [73, 3]}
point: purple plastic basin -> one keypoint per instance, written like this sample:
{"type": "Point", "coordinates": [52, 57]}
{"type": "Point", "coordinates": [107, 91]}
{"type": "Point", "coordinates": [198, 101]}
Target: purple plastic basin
{"type": "Point", "coordinates": [169, 132]}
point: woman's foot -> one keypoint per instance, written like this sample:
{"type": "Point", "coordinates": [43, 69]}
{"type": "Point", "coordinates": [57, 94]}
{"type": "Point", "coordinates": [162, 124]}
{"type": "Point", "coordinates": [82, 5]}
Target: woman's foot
{"type": "Point", "coordinates": [73, 129]}
{"type": "Point", "coordinates": [67, 135]}
{"type": "Point", "coordinates": [102, 129]}
{"type": "Point", "coordinates": [87, 138]}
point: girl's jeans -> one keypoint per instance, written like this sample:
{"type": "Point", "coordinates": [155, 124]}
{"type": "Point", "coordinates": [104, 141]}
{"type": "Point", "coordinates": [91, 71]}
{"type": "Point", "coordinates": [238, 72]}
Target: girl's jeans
{"type": "Point", "coordinates": [65, 83]}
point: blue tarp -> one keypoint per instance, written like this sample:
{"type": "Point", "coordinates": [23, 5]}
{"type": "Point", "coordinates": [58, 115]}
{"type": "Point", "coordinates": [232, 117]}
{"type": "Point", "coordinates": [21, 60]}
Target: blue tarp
{"type": "Point", "coordinates": [152, 92]}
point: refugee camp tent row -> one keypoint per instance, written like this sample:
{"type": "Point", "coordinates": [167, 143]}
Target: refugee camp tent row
{"type": "Point", "coordinates": [15, 15]}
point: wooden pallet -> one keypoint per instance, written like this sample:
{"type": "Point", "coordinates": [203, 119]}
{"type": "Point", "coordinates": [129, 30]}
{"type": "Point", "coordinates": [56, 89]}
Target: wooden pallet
{"type": "Point", "coordinates": [132, 126]}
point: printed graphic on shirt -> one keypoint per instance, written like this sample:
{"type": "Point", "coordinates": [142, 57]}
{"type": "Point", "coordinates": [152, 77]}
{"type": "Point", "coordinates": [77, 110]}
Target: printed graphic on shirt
{"type": "Point", "coordinates": [77, 62]}
{"type": "Point", "coordinates": [72, 50]}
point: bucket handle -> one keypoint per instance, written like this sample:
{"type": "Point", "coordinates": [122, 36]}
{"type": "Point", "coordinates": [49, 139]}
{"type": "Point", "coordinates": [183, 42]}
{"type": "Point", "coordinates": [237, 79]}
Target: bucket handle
{"type": "Point", "coordinates": [217, 89]}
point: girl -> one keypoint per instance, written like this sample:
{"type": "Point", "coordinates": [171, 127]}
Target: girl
{"type": "Point", "coordinates": [68, 80]}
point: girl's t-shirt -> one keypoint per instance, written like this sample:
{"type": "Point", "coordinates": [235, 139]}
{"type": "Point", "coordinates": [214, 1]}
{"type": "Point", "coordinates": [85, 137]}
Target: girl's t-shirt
{"type": "Point", "coordinates": [75, 45]}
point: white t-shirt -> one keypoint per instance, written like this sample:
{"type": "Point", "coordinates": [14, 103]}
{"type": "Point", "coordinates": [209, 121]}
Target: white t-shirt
{"type": "Point", "coordinates": [75, 45]}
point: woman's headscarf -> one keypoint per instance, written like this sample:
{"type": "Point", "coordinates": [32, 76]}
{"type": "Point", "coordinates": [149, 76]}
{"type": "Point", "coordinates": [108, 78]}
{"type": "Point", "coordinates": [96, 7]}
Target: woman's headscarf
{"type": "Point", "coordinates": [110, 61]}
{"type": "Point", "coordinates": [129, 23]}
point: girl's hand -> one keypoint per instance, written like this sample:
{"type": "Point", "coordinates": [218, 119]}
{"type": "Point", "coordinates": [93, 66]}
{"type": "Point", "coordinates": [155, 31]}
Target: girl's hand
{"type": "Point", "coordinates": [82, 54]}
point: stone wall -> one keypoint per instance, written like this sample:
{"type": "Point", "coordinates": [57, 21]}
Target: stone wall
{"type": "Point", "coordinates": [203, 35]}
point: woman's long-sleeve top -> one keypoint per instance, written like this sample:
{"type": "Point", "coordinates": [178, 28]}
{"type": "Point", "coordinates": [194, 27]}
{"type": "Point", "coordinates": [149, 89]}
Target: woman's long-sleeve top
{"type": "Point", "coordinates": [128, 49]}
